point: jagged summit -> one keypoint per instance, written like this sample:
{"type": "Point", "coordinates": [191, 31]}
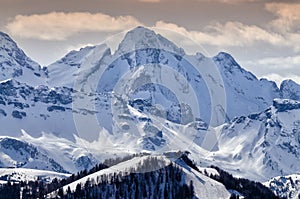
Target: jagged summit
{"type": "Point", "coordinates": [65, 71]}
{"type": "Point", "coordinates": [142, 38]}
{"type": "Point", "coordinates": [290, 90]}
{"type": "Point", "coordinates": [16, 64]}
{"type": "Point", "coordinates": [9, 49]}
{"type": "Point", "coordinates": [224, 55]}
{"type": "Point", "coordinates": [229, 63]}
{"type": "Point", "coordinates": [75, 57]}
{"type": "Point", "coordinates": [5, 40]}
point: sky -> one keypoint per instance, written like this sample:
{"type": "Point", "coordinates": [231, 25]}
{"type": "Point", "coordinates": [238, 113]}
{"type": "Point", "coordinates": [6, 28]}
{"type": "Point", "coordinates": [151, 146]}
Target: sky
{"type": "Point", "coordinates": [262, 35]}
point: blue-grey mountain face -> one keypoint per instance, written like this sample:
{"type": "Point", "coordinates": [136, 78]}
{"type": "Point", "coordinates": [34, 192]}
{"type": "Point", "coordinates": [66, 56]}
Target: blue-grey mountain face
{"type": "Point", "coordinates": [245, 94]}
{"type": "Point", "coordinates": [290, 90]}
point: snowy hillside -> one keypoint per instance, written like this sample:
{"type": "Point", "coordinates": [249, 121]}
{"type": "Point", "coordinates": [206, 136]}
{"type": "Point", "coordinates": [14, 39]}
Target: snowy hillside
{"type": "Point", "coordinates": [47, 152]}
{"type": "Point", "coordinates": [65, 71]}
{"type": "Point", "coordinates": [204, 187]}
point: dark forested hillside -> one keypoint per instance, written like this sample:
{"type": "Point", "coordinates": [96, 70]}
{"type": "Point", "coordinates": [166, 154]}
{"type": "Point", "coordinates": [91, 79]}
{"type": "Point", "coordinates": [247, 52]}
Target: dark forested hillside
{"type": "Point", "coordinates": [249, 189]}
{"type": "Point", "coordinates": [146, 179]}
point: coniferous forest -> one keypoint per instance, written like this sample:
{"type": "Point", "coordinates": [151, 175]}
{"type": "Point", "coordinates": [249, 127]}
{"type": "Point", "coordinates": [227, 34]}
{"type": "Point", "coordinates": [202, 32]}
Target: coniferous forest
{"type": "Point", "coordinates": [160, 182]}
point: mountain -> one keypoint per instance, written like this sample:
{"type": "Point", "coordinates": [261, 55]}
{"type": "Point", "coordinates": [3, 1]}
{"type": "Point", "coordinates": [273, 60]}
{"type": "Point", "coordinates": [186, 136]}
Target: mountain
{"type": "Point", "coordinates": [160, 176]}
{"type": "Point", "coordinates": [35, 109]}
{"type": "Point", "coordinates": [65, 71]}
{"type": "Point", "coordinates": [290, 90]}
{"type": "Point", "coordinates": [90, 75]}
{"type": "Point", "coordinates": [97, 69]}
{"type": "Point", "coordinates": [15, 64]}
{"type": "Point", "coordinates": [204, 187]}
{"type": "Point", "coordinates": [243, 89]}
{"type": "Point", "coordinates": [48, 152]}
{"type": "Point", "coordinates": [170, 175]}
{"type": "Point", "coordinates": [262, 145]}
{"type": "Point", "coordinates": [15, 153]}
{"type": "Point", "coordinates": [148, 95]}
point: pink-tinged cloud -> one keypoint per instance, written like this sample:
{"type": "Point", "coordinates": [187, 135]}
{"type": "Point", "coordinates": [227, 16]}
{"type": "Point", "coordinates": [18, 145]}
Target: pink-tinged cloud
{"type": "Point", "coordinates": [60, 25]}
{"type": "Point", "coordinates": [150, 1]}
{"type": "Point", "coordinates": [228, 34]}
{"type": "Point", "coordinates": [288, 16]}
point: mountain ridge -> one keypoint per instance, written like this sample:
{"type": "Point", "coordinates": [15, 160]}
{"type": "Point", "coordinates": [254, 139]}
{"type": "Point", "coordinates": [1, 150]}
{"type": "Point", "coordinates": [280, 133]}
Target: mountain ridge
{"type": "Point", "coordinates": [81, 90]}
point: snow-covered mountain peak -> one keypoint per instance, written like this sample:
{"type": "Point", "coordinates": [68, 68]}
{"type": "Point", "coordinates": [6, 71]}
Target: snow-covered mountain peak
{"type": "Point", "coordinates": [287, 82]}
{"type": "Point", "coordinates": [226, 58]}
{"type": "Point", "coordinates": [290, 90]}
{"type": "Point", "coordinates": [228, 63]}
{"type": "Point", "coordinates": [15, 64]}
{"type": "Point", "coordinates": [143, 38]}
{"type": "Point", "coordinates": [6, 41]}
{"type": "Point", "coordinates": [65, 71]}
{"type": "Point", "coordinates": [9, 51]}
{"type": "Point", "coordinates": [74, 58]}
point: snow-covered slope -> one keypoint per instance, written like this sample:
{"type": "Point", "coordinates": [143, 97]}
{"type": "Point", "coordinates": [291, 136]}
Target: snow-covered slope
{"type": "Point", "coordinates": [65, 71]}
{"type": "Point", "coordinates": [47, 152]}
{"type": "Point", "coordinates": [15, 153]}
{"type": "Point", "coordinates": [245, 94]}
{"type": "Point", "coordinates": [285, 186]}
{"type": "Point", "coordinates": [205, 187]}
{"type": "Point", "coordinates": [35, 109]}
{"type": "Point", "coordinates": [264, 145]}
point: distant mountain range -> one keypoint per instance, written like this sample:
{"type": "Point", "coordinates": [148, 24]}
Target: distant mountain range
{"type": "Point", "coordinates": [69, 115]}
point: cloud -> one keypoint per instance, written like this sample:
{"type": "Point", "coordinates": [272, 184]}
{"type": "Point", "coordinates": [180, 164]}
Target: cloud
{"type": "Point", "coordinates": [60, 25]}
{"type": "Point", "coordinates": [232, 1]}
{"type": "Point", "coordinates": [276, 68]}
{"type": "Point", "coordinates": [288, 16]}
{"type": "Point", "coordinates": [236, 35]}
{"type": "Point", "coordinates": [278, 78]}
{"type": "Point", "coordinates": [282, 31]}
{"type": "Point", "coordinates": [287, 22]}
{"type": "Point", "coordinates": [228, 34]}
{"type": "Point", "coordinates": [150, 1]}
{"type": "Point", "coordinates": [281, 62]}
